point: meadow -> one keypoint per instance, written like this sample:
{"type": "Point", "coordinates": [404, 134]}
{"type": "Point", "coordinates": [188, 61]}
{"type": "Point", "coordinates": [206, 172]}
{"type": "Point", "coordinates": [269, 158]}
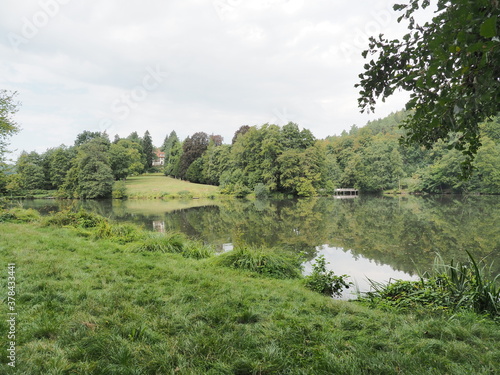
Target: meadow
{"type": "Point", "coordinates": [157, 185]}
{"type": "Point", "coordinates": [94, 297]}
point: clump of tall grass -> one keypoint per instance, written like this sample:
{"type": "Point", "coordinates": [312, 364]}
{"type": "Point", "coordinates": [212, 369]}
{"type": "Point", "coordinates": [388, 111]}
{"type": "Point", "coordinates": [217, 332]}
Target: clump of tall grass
{"type": "Point", "coordinates": [453, 287]}
{"type": "Point", "coordinates": [123, 233]}
{"type": "Point", "coordinates": [79, 219]}
{"type": "Point", "coordinates": [161, 243]}
{"type": "Point", "coordinates": [173, 243]}
{"type": "Point", "coordinates": [266, 262]}
{"type": "Point", "coordinates": [19, 215]}
{"type": "Point", "coordinates": [197, 250]}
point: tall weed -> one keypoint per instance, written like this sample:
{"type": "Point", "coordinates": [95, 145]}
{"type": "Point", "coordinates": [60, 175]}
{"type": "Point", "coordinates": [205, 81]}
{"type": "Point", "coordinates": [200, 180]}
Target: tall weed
{"type": "Point", "coordinates": [326, 282]}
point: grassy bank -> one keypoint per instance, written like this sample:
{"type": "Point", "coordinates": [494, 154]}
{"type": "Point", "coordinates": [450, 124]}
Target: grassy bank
{"type": "Point", "coordinates": [98, 298]}
{"type": "Point", "coordinates": [159, 186]}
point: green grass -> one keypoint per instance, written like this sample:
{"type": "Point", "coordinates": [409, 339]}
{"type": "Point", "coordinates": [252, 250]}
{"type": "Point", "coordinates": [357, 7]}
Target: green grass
{"type": "Point", "coordinates": [96, 304]}
{"type": "Point", "coordinates": [266, 262]}
{"type": "Point", "coordinates": [159, 186]}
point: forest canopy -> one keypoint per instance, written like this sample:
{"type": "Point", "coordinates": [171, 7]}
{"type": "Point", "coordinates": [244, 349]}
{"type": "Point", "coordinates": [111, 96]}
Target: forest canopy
{"type": "Point", "coordinates": [264, 160]}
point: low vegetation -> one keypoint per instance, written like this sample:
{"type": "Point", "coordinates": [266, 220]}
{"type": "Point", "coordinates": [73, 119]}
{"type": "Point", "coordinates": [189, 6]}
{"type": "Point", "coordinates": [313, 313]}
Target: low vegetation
{"type": "Point", "coordinates": [326, 282]}
{"type": "Point", "coordinates": [102, 298]}
{"type": "Point", "coordinates": [464, 286]}
{"type": "Point", "coordinates": [266, 262]}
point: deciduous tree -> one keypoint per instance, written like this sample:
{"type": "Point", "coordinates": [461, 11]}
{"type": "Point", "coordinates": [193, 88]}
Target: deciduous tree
{"type": "Point", "coordinates": [29, 167]}
{"type": "Point", "coordinates": [90, 176]}
{"type": "Point", "coordinates": [450, 65]}
{"type": "Point", "coordinates": [8, 126]}
{"type": "Point", "coordinates": [193, 148]}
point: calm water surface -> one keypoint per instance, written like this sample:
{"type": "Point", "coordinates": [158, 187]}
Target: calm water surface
{"type": "Point", "coordinates": [367, 237]}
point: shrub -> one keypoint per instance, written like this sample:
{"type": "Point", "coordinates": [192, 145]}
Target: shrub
{"type": "Point", "coordinates": [185, 194]}
{"type": "Point", "coordinates": [326, 282]}
{"type": "Point", "coordinates": [119, 190]}
{"type": "Point", "coordinates": [240, 190]}
{"type": "Point", "coordinates": [163, 243]}
{"type": "Point", "coordinates": [20, 215]}
{"type": "Point", "coordinates": [266, 262]}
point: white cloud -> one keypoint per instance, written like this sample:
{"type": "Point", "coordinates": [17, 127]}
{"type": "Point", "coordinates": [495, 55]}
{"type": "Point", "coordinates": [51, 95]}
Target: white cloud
{"type": "Point", "coordinates": [225, 69]}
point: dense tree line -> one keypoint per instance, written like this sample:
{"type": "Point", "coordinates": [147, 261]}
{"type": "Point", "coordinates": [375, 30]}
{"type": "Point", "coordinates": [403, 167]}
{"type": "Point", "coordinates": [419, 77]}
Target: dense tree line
{"type": "Point", "coordinates": [273, 159]}
{"type": "Point", "coordinates": [372, 159]}
{"type": "Point", "coordinates": [265, 160]}
{"type": "Point", "coordinates": [87, 169]}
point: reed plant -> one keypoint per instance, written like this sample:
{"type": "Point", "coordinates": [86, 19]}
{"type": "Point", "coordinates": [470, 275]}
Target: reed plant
{"type": "Point", "coordinates": [447, 287]}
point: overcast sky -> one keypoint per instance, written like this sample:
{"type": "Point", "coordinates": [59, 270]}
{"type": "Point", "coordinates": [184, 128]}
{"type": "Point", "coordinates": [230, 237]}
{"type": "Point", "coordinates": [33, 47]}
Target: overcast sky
{"type": "Point", "coordinates": [186, 65]}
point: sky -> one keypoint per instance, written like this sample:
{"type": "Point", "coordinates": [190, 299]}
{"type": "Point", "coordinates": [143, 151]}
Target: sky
{"type": "Point", "coordinates": [186, 65]}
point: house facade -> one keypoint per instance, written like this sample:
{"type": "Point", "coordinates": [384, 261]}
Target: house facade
{"type": "Point", "coordinates": [159, 158]}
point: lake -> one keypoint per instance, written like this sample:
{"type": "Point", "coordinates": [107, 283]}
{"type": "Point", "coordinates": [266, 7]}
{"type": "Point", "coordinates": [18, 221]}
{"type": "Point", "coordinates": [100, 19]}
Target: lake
{"type": "Point", "coordinates": [371, 237]}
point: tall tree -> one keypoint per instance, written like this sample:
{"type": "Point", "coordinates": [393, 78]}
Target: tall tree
{"type": "Point", "coordinates": [8, 126]}
{"type": "Point", "coordinates": [90, 176]}
{"type": "Point", "coordinates": [125, 159]}
{"type": "Point", "coordinates": [58, 162]}
{"type": "Point", "coordinates": [301, 170]}
{"type": "Point", "coordinates": [193, 148]}
{"type": "Point", "coordinates": [134, 137]}
{"type": "Point", "coordinates": [242, 130]}
{"type": "Point", "coordinates": [165, 143]}
{"type": "Point", "coordinates": [29, 166]}
{"type": "Point", "coordinates": [148, 150]}
{"type": "Point", "coordinates": [172, 160]}
{"type": "Point", "coordinates": [170, 140]}
{"type": "Point", "coordinates": [450, 65]}
{"type": "Point", "coordinates": [87, 136]}
{"type": "Point", "coordinates": [294, 138]}
{"type": "Point", "coordinates": [215, 161]}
